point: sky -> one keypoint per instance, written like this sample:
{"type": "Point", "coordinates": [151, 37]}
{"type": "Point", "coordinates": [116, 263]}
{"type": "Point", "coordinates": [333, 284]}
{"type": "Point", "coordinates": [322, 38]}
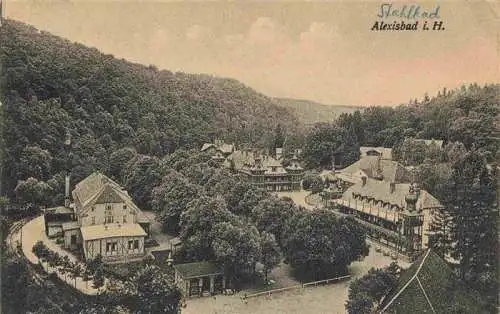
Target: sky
{"type": "Point", "coordinates": [321, 51]}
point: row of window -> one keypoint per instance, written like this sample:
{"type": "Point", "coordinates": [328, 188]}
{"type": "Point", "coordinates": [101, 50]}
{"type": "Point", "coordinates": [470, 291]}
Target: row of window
{"type": "Point", "coordinates": [113, 246]}
{"type": "Point", "coordinates": [108, 207]}
{"type": "Point", "coordinates": [109, 218]}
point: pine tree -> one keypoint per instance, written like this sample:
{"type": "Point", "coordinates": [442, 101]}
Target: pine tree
{"type": "Point", "coordinates": [439, 232]}
{"type": "Point", "coordinates": [470, 197]}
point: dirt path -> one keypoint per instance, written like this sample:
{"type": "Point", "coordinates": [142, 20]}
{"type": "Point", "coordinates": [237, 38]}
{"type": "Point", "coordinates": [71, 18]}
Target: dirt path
{"type": "Point", "coordinates": [34, 231]}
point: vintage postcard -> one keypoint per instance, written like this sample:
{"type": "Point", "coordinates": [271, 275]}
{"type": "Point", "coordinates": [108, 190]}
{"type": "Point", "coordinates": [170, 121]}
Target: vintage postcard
{"type": "Point", "coordinates": [246, 157]}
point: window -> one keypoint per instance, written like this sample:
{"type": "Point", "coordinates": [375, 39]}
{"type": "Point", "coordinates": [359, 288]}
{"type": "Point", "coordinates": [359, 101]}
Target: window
{"type": "Point", "coordinates": [108, 207]}
{"type": "Point", "coordinates": [109, 217]}
{"type": "Point", "coordinates": [124, 218]}
{"type": "Point", "coordinates": [93, 220]}
{"type": "Point", "coordinates": [93, 208]}
{"type": "Point", "coordinates": [133, 244]}
{"type": "Point", "coordinates": [111, 247]}
{"type": "Point", "coordinates": [124, 206]}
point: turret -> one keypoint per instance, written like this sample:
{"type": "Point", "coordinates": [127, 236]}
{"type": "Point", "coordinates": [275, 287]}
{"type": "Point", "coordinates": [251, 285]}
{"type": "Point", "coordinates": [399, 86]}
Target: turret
{"type": "Point", "coordinates": [411, 199]}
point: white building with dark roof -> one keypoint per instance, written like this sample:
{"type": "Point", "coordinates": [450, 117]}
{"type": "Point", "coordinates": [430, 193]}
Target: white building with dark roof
{"type": "Point", "coordinates": [375, 167]}
{"type": "Point", "coordinates": [396, 214]}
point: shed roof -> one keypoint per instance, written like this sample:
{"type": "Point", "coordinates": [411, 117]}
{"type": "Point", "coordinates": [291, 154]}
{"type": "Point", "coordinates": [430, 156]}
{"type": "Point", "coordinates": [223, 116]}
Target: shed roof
{"type": "Point", "coordinates": [198, 269]}
{"type": "Point", "coordinates": [112, 231]}
{"type": "Point", "coordinates": [59, 210]}
{"type": "Point", "coordinates": [70, 225]}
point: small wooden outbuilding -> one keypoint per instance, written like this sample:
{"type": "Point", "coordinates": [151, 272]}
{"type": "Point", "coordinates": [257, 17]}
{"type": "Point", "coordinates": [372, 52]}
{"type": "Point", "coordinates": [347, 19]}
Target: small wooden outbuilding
{"type": "Point", "coordinates": [199, 278]}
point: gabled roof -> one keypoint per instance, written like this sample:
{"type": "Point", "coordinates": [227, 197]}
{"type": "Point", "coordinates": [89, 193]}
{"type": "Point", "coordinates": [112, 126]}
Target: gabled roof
{"type": "Point", "coordinates": [99, 189]}
{"type": "Point", "coordinates": [390, 170]}
{"type": "Point", "coordinates": [224, 148]}
{"type": "Point", "coordinates": [87, 188]}
{"type": "Point", "coordinates": [206, 146]}
{"type": "Point", "coordinates": [429, 286]}
{"type": "Point", "coordinates": [381, 190]}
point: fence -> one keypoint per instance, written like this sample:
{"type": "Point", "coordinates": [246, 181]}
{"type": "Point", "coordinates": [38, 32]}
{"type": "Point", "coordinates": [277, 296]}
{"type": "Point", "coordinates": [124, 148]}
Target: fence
{"type": "Point", "coordinates": [305, 285]}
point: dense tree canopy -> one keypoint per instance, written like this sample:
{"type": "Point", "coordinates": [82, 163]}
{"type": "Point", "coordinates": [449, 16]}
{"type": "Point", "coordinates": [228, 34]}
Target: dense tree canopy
{"type": "Point", "coordinates": [320, 245]}
{"type": "Point", "coordinates": [366, 293]}
{"type": "Point", "coordinates": [468, 115]}
{"type": "Point", "coordinates": [51, 86]}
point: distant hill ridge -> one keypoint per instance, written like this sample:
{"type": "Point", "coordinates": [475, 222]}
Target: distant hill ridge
{"type": "Point", "coordinates": [310, 112]}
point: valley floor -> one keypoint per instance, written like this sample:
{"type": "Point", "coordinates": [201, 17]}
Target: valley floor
{"type": "Point", "coordinates": [312, 300]}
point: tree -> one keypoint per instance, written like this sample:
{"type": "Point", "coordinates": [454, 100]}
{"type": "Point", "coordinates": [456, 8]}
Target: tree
{"type": "Point", "coordinates": [94, 264]}
{"type": "Point", "coordinates": [270, 253]}
{"type": "Point", "coordinates": [77, 271]}
{"type": "Point", "coordinates": [156, 292]}
{"type": "Point", "coordinates": [312, 182]}
{"type": "Point", "coordinates": [319, 245]}
{"type": "Point", "coordinates": [33, 191]}
{"type": "Point", "coordinates": [250, 199]}
{"type": "Point", "coordinates": [470, 197]}
{"type": "Point", "coordinates": [321, 142]}
{"type": "Point", "coordinates": [197, 222]}
{"type": "Point", "coordinates": [35, 162]}
{"type": "Point", "coordinates": [439, 232]}
{"type": "Point", "coordinates": [171, 197]}
{"type": "Point", "coordinates": [119, 159]}
{"type": "Point", "coordinates": [351, 152]}
{"type": "Point", "coordinates": [98, 278]}
{"type": "Point", "coordinates": [236, 247]}
{"type": "Point", "coordinates": [142, 174]}
{"type": "Point", "coordinates": [270, 215]}
{"type": "Point", "coordinates": [366, 293]}
{"type": "Point", "coordinates": [202, 215]}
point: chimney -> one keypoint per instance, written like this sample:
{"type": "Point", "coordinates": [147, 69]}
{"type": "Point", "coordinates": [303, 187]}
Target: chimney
{"type": "Point", "coordinates": [279, 152]}
{"type": "Point", "coordinates": [393, 187]}
{"type": "Point", "coordinates": [363, 178]}
{"type": "Point", "coordinates": [67, 148]}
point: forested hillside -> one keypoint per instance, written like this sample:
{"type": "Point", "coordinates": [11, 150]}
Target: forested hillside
{"type": "Point", "coordinates": [469, 115]}
{"type": "Point", "coordinates": [310, 112]}
{"type": "Point", "coordinates": [50, 85]}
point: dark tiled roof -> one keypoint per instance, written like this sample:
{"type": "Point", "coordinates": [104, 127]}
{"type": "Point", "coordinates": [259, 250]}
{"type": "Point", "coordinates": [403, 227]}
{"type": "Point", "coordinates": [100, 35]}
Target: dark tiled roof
{"type": "Point", "coordinates": [429, 286]}
{"type": "Point", "coordinates": [197, 269]}
{"type": "Point", "coordinates": [109, 195]}
{"type": "Point", "coordinates": [381, 191]}
{"type": "Point", "coordinates": [390, 170]}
